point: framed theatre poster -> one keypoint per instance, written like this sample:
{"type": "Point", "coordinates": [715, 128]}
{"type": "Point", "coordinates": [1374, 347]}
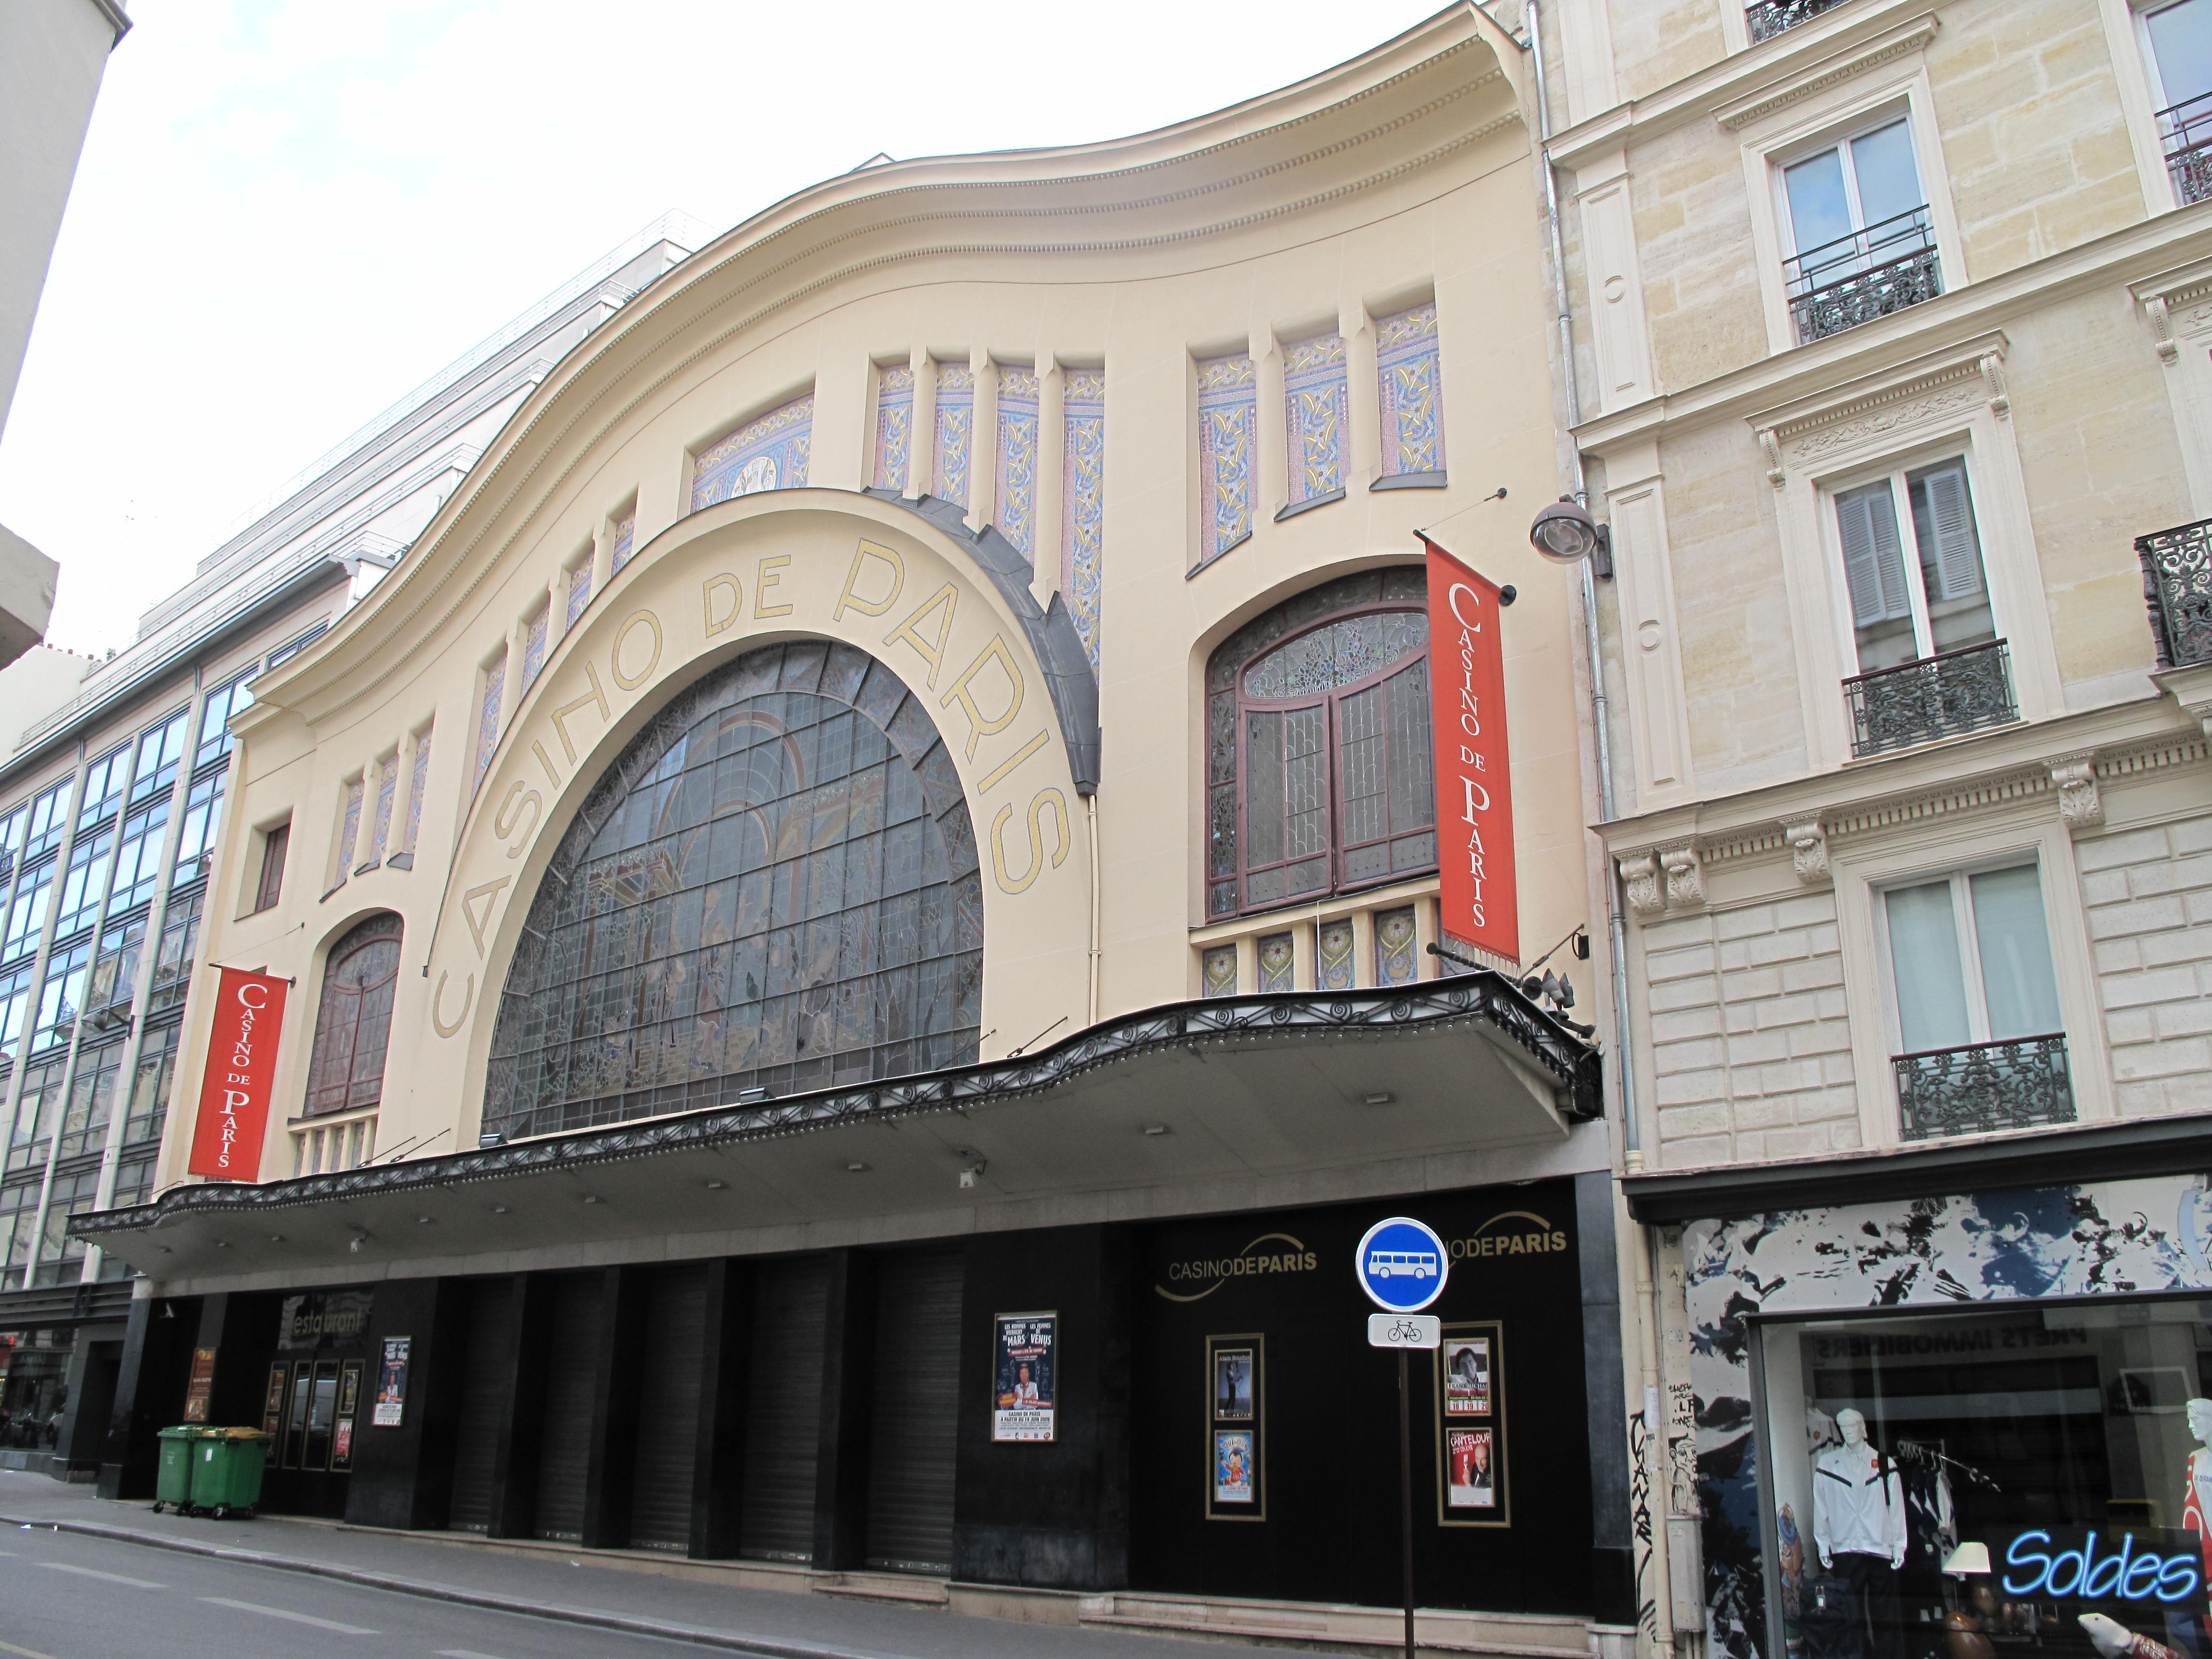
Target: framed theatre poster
{"type": "Point", "coordinates": [391, 1383]}
{"type": "Point", "coordinates": [1236, 1428]}
{"type": "Point", "coordinates": [272, 1401]}
{"type": "Point", "coordinates": [1024, 1356]}
{"type": "Point", "coordinates": [200, 1386]}
{"type": "Point", "coordinates": [349, 1414]}
{"type": "Point", "coordinates": [1471, 1427]}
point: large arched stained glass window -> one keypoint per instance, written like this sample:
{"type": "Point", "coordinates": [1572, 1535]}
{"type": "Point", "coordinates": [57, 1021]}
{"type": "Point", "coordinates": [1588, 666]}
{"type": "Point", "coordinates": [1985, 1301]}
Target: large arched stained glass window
{"type": "Point", "coordinates": [353, 1022]}
{"type": "Point", "coordinates": [1320, 773]}
{"type": "Point", "coordinates": [775, 886]}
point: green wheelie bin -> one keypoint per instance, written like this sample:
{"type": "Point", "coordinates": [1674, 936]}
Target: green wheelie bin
{"type": "Point", "coordinates": [227, 1465]}
{"type": "Point", "coordinates": [172, 1484]}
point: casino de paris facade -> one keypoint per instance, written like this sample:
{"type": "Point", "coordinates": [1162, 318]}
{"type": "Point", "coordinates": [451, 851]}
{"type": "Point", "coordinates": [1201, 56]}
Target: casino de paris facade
{"type": "Point", "coordinates": [889, 823]}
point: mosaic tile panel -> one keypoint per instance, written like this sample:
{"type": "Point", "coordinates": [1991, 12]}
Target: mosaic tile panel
{"type": "Point", "coordinates": [1278, 963]}
{"type": "Point", "coordinates": [1410, 382]}
{"type": "Point", "coordinates": [1395, 962]}
{"type": "Point", "coordinates": [533, 646]}
{"type": "Point", "coordinates": [1317, 400]}
{"type": "Point", "coordinates": [579, 592]}
{"type": "Point", "coordinates": [1333, 955]}
{"type": "Point", "coordinates": [955, 432]}
{"type": "Point", "coordinates": [1083, 500]}
{"type": "Point", "coordinates": [488, 715]}
{"type": "Point", "coordinates": [1015, 513]}
{"type": "Point", "coordinates": [1218, 971]}
{"type": "Point", "coordinates": [349, 836]}
{"type": "Point", "coordinates": [767, 454]}
{"type": "Point", "coordinates": [894, 426]}
{"type": "Point", "coordinates": [416, 788]}
{"type": "Point", "coordinates": [1228, 445]}
{"type": "Point", "coordinates": [387, 791]}
{"type": "Point", "coordinates": [625, 537]}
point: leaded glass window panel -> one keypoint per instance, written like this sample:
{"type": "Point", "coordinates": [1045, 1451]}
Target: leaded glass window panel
{"type": "Point", "coordinates": [353, 1023]}
{"type": "Point", "coordinates": [775, 886]}
{"type": "Point", "coordinates": [1319, 771]}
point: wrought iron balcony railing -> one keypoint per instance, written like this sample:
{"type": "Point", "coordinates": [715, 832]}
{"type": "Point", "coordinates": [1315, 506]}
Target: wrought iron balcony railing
{"type": "Point", "coordinates": [2177, 591]}
{"type": "Point", "coordinates": [1768, 18]}
{"type": "Point", "coordinates": [1869, 274]}
{"type": "Point", "coordinates": [1984, 1087]}
{"type": "Point", "coordinates": [1939, 696]}
{"type": "Point", "coordinates": [2186, 130]}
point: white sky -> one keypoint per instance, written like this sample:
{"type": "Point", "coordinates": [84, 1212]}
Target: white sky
{"type": "Point", "coordinates": [290, 212]}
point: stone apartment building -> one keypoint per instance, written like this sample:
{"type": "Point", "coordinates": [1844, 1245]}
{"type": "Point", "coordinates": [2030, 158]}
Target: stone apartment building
{"type": "Point", "coordinates": [1891, 343]}
{"type": "Point", "coordinates": [110, 815]}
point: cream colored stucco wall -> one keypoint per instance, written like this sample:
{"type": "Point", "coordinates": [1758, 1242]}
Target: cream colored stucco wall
{"type": "Point", "coordinates": [1403, 176]}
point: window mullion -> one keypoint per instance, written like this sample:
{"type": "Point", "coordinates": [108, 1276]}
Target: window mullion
{"type": "Point", "coordinates": [1916, 591]}
{"type": "Point", "coordinates": [1970, 959]}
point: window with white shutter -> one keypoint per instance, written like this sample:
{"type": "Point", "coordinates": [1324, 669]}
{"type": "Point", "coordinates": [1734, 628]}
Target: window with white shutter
{"type": "Point", "coordinates": [1909, 602]}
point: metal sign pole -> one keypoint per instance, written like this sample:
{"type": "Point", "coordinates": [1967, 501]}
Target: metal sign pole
{"type": "Point", "coordinates": [1406, 1491]}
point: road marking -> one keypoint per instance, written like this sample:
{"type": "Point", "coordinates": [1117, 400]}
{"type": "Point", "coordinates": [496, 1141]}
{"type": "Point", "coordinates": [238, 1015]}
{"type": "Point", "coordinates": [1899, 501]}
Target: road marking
{"type": "Point", "coordinates": [111, 1577]}
{"type": "Point", "coordinates": [464, 1653]}
{"type": "Point", "coordinates": [283, 1613]}
{"type": "Point", "coordinates": [28, 1653]}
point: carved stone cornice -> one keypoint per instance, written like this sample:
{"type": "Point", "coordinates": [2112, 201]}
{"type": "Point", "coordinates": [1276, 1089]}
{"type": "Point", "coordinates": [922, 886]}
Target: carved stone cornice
{"type": "Point", "coordinates": [1805, 433]}
{"type": "Point", "coordinates": [2081, 806]}
{"type": "Point", "coordinates": [1808, 849]}
{"type": "Point", "coordinates": [1830, 71]}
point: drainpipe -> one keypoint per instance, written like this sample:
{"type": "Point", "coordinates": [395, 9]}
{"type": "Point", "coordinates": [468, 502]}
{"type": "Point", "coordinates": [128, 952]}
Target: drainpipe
{"type": "Point", "coordinates": [1651, 1527]}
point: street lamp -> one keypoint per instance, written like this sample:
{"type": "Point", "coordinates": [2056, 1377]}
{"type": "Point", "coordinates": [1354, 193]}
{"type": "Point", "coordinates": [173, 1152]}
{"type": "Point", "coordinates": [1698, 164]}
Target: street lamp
{"type": "Point", "coordinates": [1565, 533]}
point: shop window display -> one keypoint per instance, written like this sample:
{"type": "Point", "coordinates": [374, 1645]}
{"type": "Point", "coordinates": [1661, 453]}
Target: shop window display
{"type": "Point", "coordinates": [1993, 1484]}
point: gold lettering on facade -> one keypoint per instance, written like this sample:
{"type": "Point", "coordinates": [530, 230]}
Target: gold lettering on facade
{"type": "Point", "coordinates": [437, 998]}
{"type": "Point", "coordinates": [981, 725]}
{"type": "Point", "coordinates": [1044, 797]}
{"type": "Point", "coordinates": [560, 714]}
{"type": "Point", "coordinates": [504, 820]}
{"type": "Point", "coordinates": [546, 761]}
{"type": "Point", "coordinates": [766, 578]}
{"type": "Point", "coordinates": [631, 682]}
{"type": "Point", "coordinates": [1006, 766]}
{"type": "Point", "coordinates": [728, 584]}
{"type": "Point", "coordinates": [931, 651]}
{"type": "Point", "coordinates": [489, 894]}
{"type": "Point", "coordinates": [849, 597]}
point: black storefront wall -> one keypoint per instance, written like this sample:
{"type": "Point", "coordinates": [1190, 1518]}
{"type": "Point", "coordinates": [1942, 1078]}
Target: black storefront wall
{"type": "Point", "coordinates": [1325, 1416]}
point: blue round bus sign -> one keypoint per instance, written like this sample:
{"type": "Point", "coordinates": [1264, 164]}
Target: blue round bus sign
{"type": "Point", "coordinates": [1401, 1265]}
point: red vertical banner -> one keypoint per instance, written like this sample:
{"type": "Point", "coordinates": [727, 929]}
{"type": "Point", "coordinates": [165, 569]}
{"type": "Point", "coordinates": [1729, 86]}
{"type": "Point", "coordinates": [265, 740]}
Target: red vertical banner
{"type": "Point", "coordinates": [1475, 780]}
{"type": "Point", "coordinates": [241, 1066]}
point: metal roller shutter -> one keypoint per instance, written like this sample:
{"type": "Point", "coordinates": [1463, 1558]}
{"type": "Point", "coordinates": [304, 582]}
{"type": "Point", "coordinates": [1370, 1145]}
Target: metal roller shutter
{"type": "Point", "coordinates": [912, 1443]}
{"type": "Point", "coordinates": [485, 1373]}
{"type": "Point", "coordinates": [783, 1426]}
{"type": "Point", "coordinates": [564, 1450]}
{"type": "Point", "coordinates": [668, 1408]}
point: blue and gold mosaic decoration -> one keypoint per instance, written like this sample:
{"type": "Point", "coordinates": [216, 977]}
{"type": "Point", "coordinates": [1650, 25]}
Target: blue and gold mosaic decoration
{"type": "Point", "coordinates": [1217, 971]}
{"type": "Point", "coordinates": [1332, 954]}
{"type": "Point", "coordinates": [1395, 962]}
{"type": "Point", "coordinates": [533, 646]}
{"type": "Point", "coordinates": [767, 454]}
{"type": "Point", "coordinates": [1228, 442]}
{"type": "Point", "coordinates": [580, 590]}
{"type": "Point", "coordinates": [955, 432]}
{"type": "Point", "coordinates": [625, 537]}
{"type": "Point", "coordinates": [1278, 963]}
{"type": "Point", "coordinates": [1016, 516]}
{"type": "Point", "coordinates": [1083, 500]}
{"type": "Point", "coordinates": [1411, 390]}
{"type": "Point", "coordinates": [1317, 400]}
{"type": "Point", "coordinates": [894, 426]}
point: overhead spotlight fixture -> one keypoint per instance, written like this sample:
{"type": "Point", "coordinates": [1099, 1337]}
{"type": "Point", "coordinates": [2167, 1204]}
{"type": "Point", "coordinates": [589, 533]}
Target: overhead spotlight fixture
{"type": "Point", "coordinates": [591, 1198]}
{"type": "Point", "coordinates": [489, 1139]}
{"type": "Point", "coordinates": [856, 1168]}
{"type": "Point", "coordinates": [1157, 1129]}
{"type": "Point", "coordinates": [499, 1209]}
{"type": "Point", "coordinates": [717, 1186]}
{"type": "Point", "coordinates": [751, 1096]}
{"type": "Point", "coordinates": [1565, 533]}
{"type": "Point", "coordinates": [1380, 1097]}
{"type": "Point", "coordinates": [425, 1220]}
{"type": "Point", "coordinates": [276, 1238]}
{"type": "Point", "coordinates": [358, 1241]}
{"type": "Point", "coordinates": [222, 1243]}
{"type": "Point", "coordinates": [972, 1170]}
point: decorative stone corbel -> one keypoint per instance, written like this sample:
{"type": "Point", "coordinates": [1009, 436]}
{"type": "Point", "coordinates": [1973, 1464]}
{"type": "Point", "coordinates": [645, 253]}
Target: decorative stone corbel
{"type": "Point", "coordinates": [1641, 876]}
{"type": "Point", "coordinates": [1808, 849]}
{"type": "Point", "coordinates": [1993, 378]}
{"type": "Point", "coordinates": [2162, 329]}
{"type": "Point", "coordinates": [2074, 776]}
{"type": "Point", "coordinates": [1771, 447]}
{"type": "Point", "coordinates": [1686, 877]}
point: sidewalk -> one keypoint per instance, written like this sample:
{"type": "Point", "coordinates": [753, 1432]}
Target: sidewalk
{"type": "Point", "coordinates": [699, 1602]}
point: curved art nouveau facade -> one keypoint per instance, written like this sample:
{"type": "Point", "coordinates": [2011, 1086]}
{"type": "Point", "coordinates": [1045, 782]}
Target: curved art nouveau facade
{"type": "Point", "coordinates": [903, 784]}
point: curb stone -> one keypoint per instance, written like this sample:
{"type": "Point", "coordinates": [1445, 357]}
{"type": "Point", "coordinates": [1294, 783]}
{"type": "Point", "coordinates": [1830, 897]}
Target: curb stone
{"type": "Point", "coordinates": [766, 1647]}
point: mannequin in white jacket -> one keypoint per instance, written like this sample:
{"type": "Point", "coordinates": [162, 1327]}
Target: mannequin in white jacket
{"type": "Point", "coordinates": [1858, 1528]}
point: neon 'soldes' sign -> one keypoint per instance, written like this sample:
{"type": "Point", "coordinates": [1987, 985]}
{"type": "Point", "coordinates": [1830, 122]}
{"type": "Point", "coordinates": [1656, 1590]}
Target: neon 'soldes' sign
{"type": "Point", "coordinates": [241, 1064]}
{"type": "Point", "coordinates": [2126, 1574]}
{"type": "Point", "coordinates": [1474, 784]}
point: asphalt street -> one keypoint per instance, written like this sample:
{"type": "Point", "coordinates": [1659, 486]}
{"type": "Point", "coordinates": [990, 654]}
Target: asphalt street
{"type": "Point", "coordinates": [63, 1596]}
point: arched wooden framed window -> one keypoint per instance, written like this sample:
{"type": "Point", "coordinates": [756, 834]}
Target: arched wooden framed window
{"type": "Point", "coordinates": [353, 1022]}
{"type": "Point", "coordinates": [1320, 775]}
